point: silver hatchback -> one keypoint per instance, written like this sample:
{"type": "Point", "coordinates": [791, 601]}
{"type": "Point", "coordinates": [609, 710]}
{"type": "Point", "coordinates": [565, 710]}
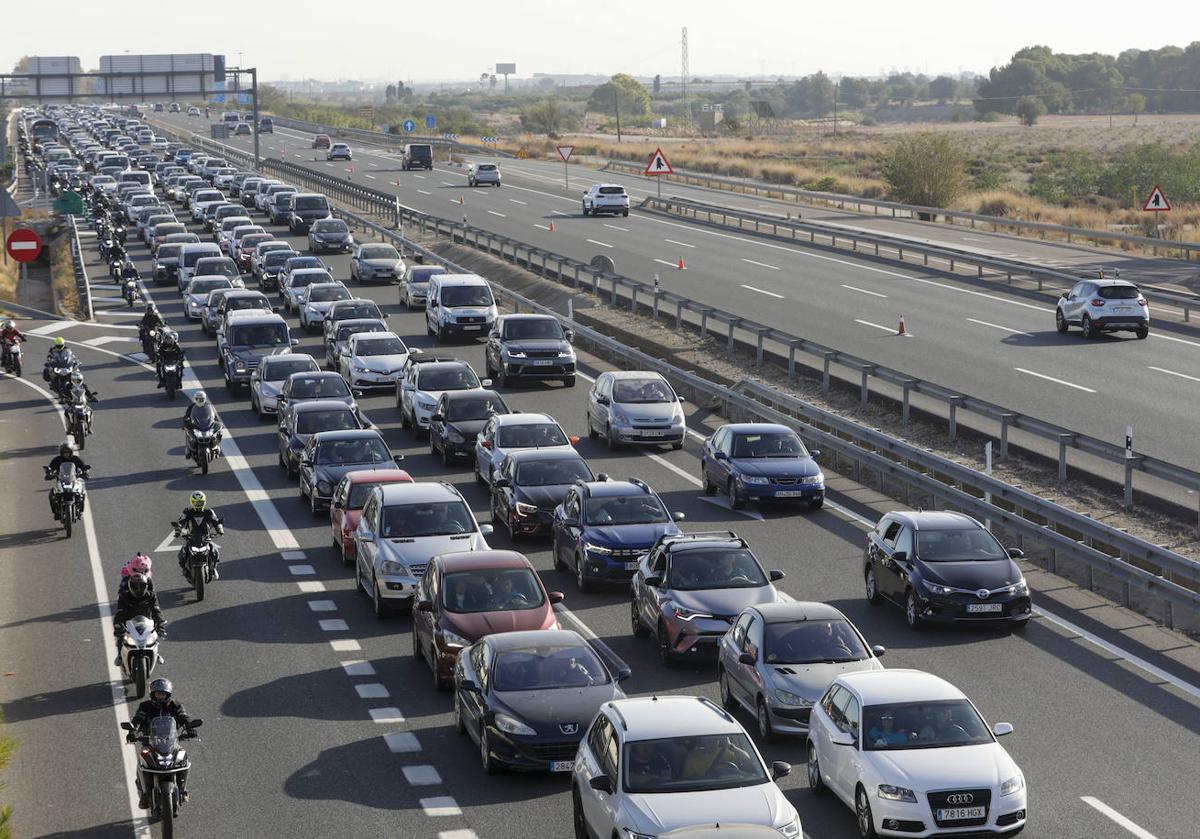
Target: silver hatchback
{"type": "Point", "coordinates": [635, 407]}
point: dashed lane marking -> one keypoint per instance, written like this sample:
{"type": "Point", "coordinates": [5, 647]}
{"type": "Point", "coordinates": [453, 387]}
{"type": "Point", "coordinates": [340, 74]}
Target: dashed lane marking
{"type": "Point", "coordinates": [423, 775]}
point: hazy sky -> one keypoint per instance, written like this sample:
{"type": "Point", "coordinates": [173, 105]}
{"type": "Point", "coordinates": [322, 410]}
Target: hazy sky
{"type": "Point", "coordinates": [461, 38]}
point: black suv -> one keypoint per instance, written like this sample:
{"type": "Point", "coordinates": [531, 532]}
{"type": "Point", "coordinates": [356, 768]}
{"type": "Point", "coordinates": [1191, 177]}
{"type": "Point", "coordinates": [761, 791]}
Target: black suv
{"type": "Point", "coordinates": [529, 347]}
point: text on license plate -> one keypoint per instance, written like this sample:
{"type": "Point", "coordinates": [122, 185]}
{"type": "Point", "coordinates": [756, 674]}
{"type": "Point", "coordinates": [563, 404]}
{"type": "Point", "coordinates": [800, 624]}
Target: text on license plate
{"type": "Point", "coordinates": [985, 607]}
{"type": "Point", "coordinates": [541, 361]}
{"type": "Point", "coordinates": [474, 328]}
{"type": "Point", "coordinates": [565, 766]}
{"type": "Point", "coordinates": [1120, 308]}
{"type": "Point", "coordinates": [952, 814]}
{"type": "Point", "coordinates": [654, 434]}
{"type": "Point", "coordinates": [788, 493]}
{"type": "Point", "coordinates": [631, 566]}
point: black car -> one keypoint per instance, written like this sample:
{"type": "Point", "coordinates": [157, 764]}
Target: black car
{"type": "Point", "coordinates": [337, 340]}
{"type": "Point", "coordinates": [458, 419]}
{"type": "Point", "coordinates": [529, 347]}
{"type": "Point", "coordinates": [297, 426]}
{"type": "Point", "coordinates": [328, 456]}
{"type": "Point", "coordinates": [329, 235]}
{"type": "Point", "coordinates": [946, 568]}
{"type": "Point", "coordinates": [530, 483]}
{"type": "Point", "coordinates": [527, 698]}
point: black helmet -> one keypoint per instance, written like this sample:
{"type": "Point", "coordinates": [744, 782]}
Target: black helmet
{"type": "Point", "coordinates": [160, 691]}
{"type": "Point", "coordinates": [150, 307]}
{"type": "Point", "coordinates": [138, 585]}
{"type": "Point", "coordinates": [64, 449]}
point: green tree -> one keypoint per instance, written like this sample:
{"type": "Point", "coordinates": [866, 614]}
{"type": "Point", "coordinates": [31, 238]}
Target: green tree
{"type": "Point", "coordinates": [1137, 105]}
{"type": "Point", "coordinates": [547, 117]}
{"type": "Point", "coordinates": [854, 93]}
{"type": "Point", "coordinates": [657, 84]}
{"type": "Point", "coordinates": [1067, 177]}
{"type": "Point", "coordinates": [389, 93]}
{"type": "Point", "coordinates": [1029, 109]}
{"type": "Point", "coordinates": [622, 89]}
{"type": "Point", "coordinates": [925, 169]}
{"type": "Point", "coordinates": [943, 89]}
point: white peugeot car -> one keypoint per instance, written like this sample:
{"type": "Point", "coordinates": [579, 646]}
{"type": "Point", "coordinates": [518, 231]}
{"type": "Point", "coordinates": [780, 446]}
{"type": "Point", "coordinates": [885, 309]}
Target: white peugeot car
{"type": "Point", "coordinates": [653, 765]}
{"type": "Point", "coordinates": [912, 756]}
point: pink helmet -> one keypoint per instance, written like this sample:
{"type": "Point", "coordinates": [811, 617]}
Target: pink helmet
{"type": "Point", "coordinates": [140, 564]}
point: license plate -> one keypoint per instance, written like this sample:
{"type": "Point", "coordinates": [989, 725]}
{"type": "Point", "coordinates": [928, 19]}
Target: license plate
{"type": "Point", "coordinates": [631, 566]}
{"type": "Point", "coordinates": [541, 362]}
{"type": "Point", "coordinates": [952, 814]}
{"type": "Point", "coordinates": [985, 607]}
{"type": "Point", "coordinates": [654, 434]}
{"type": "Point", "coordinates": [1120, 308]}
{"type": "Point", "coordinates": [562, 765]}
{"type": "Point", "coordinates": [788, 493]}
{"type": "Point", "coordinates": [475, 328]}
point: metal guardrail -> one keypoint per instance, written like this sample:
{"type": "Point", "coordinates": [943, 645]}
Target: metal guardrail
{"type": "Point", "coordinates": [915, 211]}
{"type": "Point", "coordinates": [81, 277]}
{"type": "Point", "coordinates": [1110, 551]}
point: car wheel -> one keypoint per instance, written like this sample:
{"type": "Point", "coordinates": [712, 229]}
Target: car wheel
{"type": "Point", "coordinates": [258, 411]}
{"type": "Point", "coordinates": [446, 460]}
{"type": "Point", "coordinates": [765, 730]}
{"type": "Point", "coordinates": [569, 381]}
{"type": "Point", "coordinates": [380, 608]}
{"type": "Point", "coordinates": [872, 587]}
{"type": "Point", "coordinates": [403, 416]}
{"type": "Point", "coordinates": [709, 487]}
{"type": "Point", "coordinates": [587, 420]}
{"type": "Point", "coordinates": [1143, 331]}
{"type": "Point", "coordinates": [582, 581]}
{"type": "Point", "coordinates": [610, 439]}
{"type": "Point", "coordinates": [816, 503]}
{"type": "Point", "coordinates": [665, 655]}
{"type": "Point", "coordinates": [585, 209]}
{"type": "Point", "coordinates": [347, 560]}
{"type": "Point", "coordinates": [625, 213]}
{"type": "Point", "coordinates": [736, 501]}
{"type": "Point", "coordinates": [635, 621]}
{"type": "Point", "coordinates": [418, 656]}
{"type": "Point", "coordinates": [577, 817]}
{"type": "Point", "coordinates": [862, 812]}
{"type": "Point", "coordinates": [478, 475]}
{"type": "Point", "coordinates": [413, 424]}
{"type": "Point", "coordinates": [912, 611]}
{"type": "Point", "coordinates": [814, 772]}
{"type": "Point", "coordinates": [313, 505]}
{"type": "Point", "coordinates": [727, 700]}
{"type": "Point", "coordinates": [1060, 322]}
{"type": "Point", "coordinates": [486, 761]}
{"type": "Point", "coordinates": [1089, 332]}
{"type": "Point", "coordinates": [459, 724]}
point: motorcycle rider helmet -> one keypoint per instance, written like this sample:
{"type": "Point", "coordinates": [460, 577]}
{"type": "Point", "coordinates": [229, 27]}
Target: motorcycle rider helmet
{"type": "Point", "coordinates": [160, 691]}
{"type": "Point", "coordinates": [200, 397]}
{"type": "Point", "coordinates": [169, 338]}
{"type": "Point", "coordinates": [76, 378]}
{"type": "Point", "coordinates": [59, 343]}
{"type": "Point", "coordinates": [140, 564]}
{"type": "Point", "coordinates": [138, 585]}
{"type": "Point", "coordinates": [150, 307]}
{"type": "Point", "coordinates": [8, 324]}
{"type": "Point", "coordinates": [198, 500]}
{"type": "Point", "coordinates": [65, 449]}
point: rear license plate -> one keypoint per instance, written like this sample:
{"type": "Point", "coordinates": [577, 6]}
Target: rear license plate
{"type": "Point", "coordinates": [474, 328]}
{"type": "Point", "coordinates": [562, 765]}
{"type": "Point", "coordinates": [953, 814]}
{"type": "Point", "coordinates": [631, 566]}
{"type": "Point", "coordinates": [654, 434]}
{"type": "Point", "coordinates": [1120, 308]}
{"type": "Point", "coordinates": [985, 607]}
{"type": "Point", "coordinates": [788, 493]}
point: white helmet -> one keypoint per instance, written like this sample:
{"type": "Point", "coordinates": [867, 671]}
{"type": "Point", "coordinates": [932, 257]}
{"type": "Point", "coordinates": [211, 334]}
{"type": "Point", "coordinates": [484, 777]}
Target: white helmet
{"type": "Point", "coordinates": [76, 378]}
{"type": "Point", "coordinates": [200, 397]}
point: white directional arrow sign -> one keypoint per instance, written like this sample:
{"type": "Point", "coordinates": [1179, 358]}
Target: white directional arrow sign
{"type": "Point", "coordinates": [168, 544]}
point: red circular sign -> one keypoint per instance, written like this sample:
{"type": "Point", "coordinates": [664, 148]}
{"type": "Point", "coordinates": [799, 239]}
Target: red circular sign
{"type": "Point", "coordinates": [23, 245]}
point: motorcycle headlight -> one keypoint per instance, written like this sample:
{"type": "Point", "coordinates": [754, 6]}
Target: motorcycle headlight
{"type": "Point", "coordinates": [894, 793]}
{"type": "Point", "coordinates": [1014, 784]}
{"type": "Point", "coordinates": [453, 639]}
{"type": "Point", "coordinates": [129, 642]}
{"type": "Point", "coordinates": [934, 588]}
{"type": "Point", "coordinates": [786, 697]}
{"type": "Point", "coordinates": [596, 549]}
{"type": "Point", "coordinates": [524, 509]}
{"type": "Point", "coordinates": [511, 725]}
{"type": "Point", "coordinates": [753, 479]}
{"type": "Point", "coordinates": [685, 614]}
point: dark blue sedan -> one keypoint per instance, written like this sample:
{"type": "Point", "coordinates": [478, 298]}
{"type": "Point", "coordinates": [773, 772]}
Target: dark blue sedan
{"type": "Point", "coordinates": [761, 461]}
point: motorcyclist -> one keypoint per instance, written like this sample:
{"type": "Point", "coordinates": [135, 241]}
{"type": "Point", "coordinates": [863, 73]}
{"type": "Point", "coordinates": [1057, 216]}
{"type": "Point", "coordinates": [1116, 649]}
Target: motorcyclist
{"type": "Point", "coordinates": [169, 352]}
{"type": "Point", "coordinates": [78, 386]}
{"type": "Point", "coordinates": [196, 522]}
{"type": "Point", "coordinates": [59, 357]}
{"type": "Point", "coordinates": [199, 414]}
{"type": "Point", "coordinates": [10, 335]}
{"type": "Point", "coordinates": [151, 321]}
{"type": "Point", "coordinates": [65, 455]}
{"type": "Point", "coordinates": [136, 596]}
{"type": "Point", "coordinates": [161, 703]}
{"type": "Point", "coordinates": [139, 564]}
{"type": "Point", "coordinates": [129, 271]}
{"type": "Point", "coordinates": [116, 251]}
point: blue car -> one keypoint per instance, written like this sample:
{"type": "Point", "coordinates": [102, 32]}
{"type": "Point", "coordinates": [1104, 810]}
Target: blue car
{"type": "Point", "coordinates": [761, 461]}
{"type": "Point", "coordinates": [603, 526]}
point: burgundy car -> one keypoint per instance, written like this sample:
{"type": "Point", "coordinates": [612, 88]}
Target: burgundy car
{"type": "Point", "coordinates": [247, 245]}
{"type": "Point", "coordinates": [349, 496]}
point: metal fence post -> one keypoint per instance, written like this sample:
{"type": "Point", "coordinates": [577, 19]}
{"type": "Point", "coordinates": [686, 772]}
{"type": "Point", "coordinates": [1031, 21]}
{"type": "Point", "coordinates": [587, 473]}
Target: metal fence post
{"type": "Point", "coordinates": [867, 370]}
{"type": "Point", "coordinates": [1005, 421]}
{"type": "Point", "coordinates": [1064, 440]}
{"type": "Point", "coordinates": [905, 406]}
{"type": "Point", "coordinates": [828, 356]}
{"type": "Point", "coordinates": [732, 326]}
{"type": "Point", "coordinates": [792, 360]}
{"type": "Point", "coordinates": [955, 401]}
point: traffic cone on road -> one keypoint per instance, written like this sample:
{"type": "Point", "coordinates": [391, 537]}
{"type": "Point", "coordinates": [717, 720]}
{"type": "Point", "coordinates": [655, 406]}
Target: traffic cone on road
{"type": "Point", "coordinates": [551, 227]}
{"type": "Point", "coordinates": [460, 200]}
{"type": "Point", "coordinates": [902, 331]}
{"type": "Point", "coordinates": [681, 266]}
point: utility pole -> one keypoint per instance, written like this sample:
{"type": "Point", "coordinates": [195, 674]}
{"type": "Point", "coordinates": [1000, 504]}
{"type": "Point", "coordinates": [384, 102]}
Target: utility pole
{"type": "Point", "coordinates": [254, 106]}
{"type": "Point", "coordinates": [685, 72]}
{"type": "Point", "coordinates": [617, 105]}
{"type": "Point", "coordinates": [836, 87]}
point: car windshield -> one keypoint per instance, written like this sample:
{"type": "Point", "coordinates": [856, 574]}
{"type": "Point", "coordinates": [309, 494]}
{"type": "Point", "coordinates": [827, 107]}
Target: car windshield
{"type": "Point", "coordinates": [958, 545]}
{"type": "Point", "coordinates": [923, 725]}
{"type": "Point", "coordinates": [238, 303]}
{"type": "Point", "coordinates": [318, 387]}
{"type": "Point", "coordinates": [530, 436]}
{"type": "Point", "coordinates": [311, 203]}
{"type": "Point", "coordinates": [534, 329]}
{"type": "Point", "coordinates": [421, 276]}
{"type": "Point", "coordinates": [454, 378]}
{"type": "Point", "coordinates": [300, 280]}
{"type": "Point", "coordinates": [304, 262]}
{"type": "Point", "coordinates": [466, 295]}
{"type": "Point", "coordinates": [380, 346]}
{"type": "Point", "coordinates": [691, 764]}
{"type": "Point", "coordinates": [166, 252]}
{"type": "Point", "coordinates": [626, 509]}
{"type": "Point", "coordinates": [358, 450]}
{"type": "Point", "coordinates": [220, 267]}
{"type": "Point", "coordinates": [709, 568]}
{"type": "Point", "coordinates": [361, 309]}
{"type": "Point", "coordinates": [205, 286]}
{"type": "Point", "coordinates": [344, 332]}
{"type": "Point", "coordinates": [359, 493]}
{"type": "Point", "coordinates": [641, 391]}
{"type": "Point", "coordinates": [331, 226]}
{"type": "Point", "coordinates": [612, 190]}
{"type": "Point", "coordinates": [277, 371]}
{"type": "Point", "coordinates": [543, 473]}
{"type": "Point", "coordinates": [773, 444]}
{"type": "Point", "coordinates": [327, 295]}
{"type": "Point", "coordinates": [434, 518]}
{"type": "Point", "coordinates": [259, 335]}
{"type": "Point", "coordinates": [1118, 292]}
{"type": "Point", "coordinates": [274, 259]}
{"type": "Point", "coordinates": [310, 422]}
{"type": "Point", "coordinates": [378, 252]}
{"type": "Point", "coordinates": [491, 590]}
{"type": "Point", "coordinates": [548, 668]}
{"type": "Point", "coordinates": [831, 641]}
{"type": "Point", "coordinates": [465, 410]}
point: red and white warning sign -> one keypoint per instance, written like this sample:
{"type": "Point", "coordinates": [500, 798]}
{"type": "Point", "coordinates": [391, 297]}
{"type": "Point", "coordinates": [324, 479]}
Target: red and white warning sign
{"type": "Point", "coordinates": [565, 152]}
{"type": "Point", "coordinates": [1156, 202]}
{"type": "Point", "coordinates": [658, 165]}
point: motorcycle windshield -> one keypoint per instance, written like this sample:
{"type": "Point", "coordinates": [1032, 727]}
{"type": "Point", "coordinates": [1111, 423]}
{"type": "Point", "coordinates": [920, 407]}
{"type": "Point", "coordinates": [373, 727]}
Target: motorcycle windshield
{"type": "Point", "coordinates": [163, 735]}
{"type": "Point", "coordinates": [203, 416]}
{"type": "Point", "coordinates": [66, 473]}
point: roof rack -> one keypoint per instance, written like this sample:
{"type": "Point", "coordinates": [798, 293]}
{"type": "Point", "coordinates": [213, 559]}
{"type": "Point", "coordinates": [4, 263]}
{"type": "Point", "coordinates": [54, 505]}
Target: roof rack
{"type": "Point", "coordinates": [638, 482]}
{"type": "Point", "coordinates": [701, 535]}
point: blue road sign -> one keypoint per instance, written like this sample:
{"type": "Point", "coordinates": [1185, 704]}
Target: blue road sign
{"type": "Point", "coordinates": [409, 126]}
{"type": "Point", "coordinates": [430, 122]}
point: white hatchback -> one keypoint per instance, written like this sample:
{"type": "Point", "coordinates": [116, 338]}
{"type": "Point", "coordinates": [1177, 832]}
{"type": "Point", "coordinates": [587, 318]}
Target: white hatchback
{"type": "Point", "coordinates": [912, 756]}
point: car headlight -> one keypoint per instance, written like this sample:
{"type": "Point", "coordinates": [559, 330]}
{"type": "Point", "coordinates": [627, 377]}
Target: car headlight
{"type": "Point", "coordinates": [619, 418]}
{"type": "Point", "coordinates": [1014, 784]}
{"type": "Point", "coordinates": [934, 588]}
{"type": "Point", "coordinates": [753, 479]}
{"type": "Point", "coordinates": [786, 697]}
{"type": "Point", "coordinates": [813, 480]}
{"type": "Point", "coordinates": [391, 568]}
{"type": "Point", "coordinates": [596, 549]}
{"type": "Point", "coordinates": [633, 834]}
{"type": "Point", "coordinates": [1019, 588]}
{"type": "Point", "coordinates": [894, 793]}
{"type": "Point", "coordinates": [324, 488]}
{"type": "Point", "coordinates": [358, 368]}
{"type": "Point", "coordinates": [512, 725]}
{"type": "Point", "coordinates": [524, 509]}
{"type": "Point", "coordinates": [453, 639]}
{"type": "Point", "coordinates": [566, 354]}
{"type": "Point", "coordinates": [240, 366]}
{"type": "Point", "coordinates": [685, 614]}
{"type": "Point", "coordinates": [514, 354]}
{"type": "Point", "coordinates": [447, 317]}
{"type": "Point", "coordinates": [791, 829]}
{"type": "Point", "coordinates": [426, 404]}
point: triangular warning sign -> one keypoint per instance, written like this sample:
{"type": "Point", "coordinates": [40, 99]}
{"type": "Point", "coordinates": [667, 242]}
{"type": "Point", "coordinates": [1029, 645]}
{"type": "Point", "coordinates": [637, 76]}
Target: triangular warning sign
{"type": "Point", "coordinates": [168, 544]}
{"type": "Point", "coordinates": [1156, 202]}
{"type": "Point", "coordinates": [658, 165]}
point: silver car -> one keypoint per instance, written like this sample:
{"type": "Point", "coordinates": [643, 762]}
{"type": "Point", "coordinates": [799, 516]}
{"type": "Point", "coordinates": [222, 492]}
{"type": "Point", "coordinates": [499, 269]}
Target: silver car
{"type": "Point", "coordinates": [195, 296]}
{"type": "Point", "coordinates": [414, 288]}
{"type": "Point", "coordinates": [507, 433]}
{"type": "Point", "coordinates": [295, 283]}
{"type": "Point", "coordinates": [317, 300]}
{"type": "Point", "coordinates": [483, 174]}
{"type": "Point", "coordinates": [778, 658]}
{"type": "Point", "coordinates": [635, 407]}
{"type": "Point", "coordinates": [1098, 305]}
{"type": "Point", "coordinates": [373, 360]}
{"type": "Point", "coordinates": [376, 262]}
{"type": "Point", "coordinates": [269, 377]}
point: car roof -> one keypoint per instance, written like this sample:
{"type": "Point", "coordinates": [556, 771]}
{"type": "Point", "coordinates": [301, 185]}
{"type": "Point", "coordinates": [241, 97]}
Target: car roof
{"type": "Point", "coordinates": [445, 365]}
{"type": "Point", "coordinates": [309, 270]}
{"type": "Point", "coordinates": [347, 434]}
{"type": "Point", "coordinates": [478, 393]}
{"type": "Point", "coordinates": [246, 292]}
{"type": "Point", "coordinates": [757, 427]}
{"type": "Point", "coordinates": [477, 560]}
{"type": "Point", "coordinates": [558, 453]}
{"type": "Point", "coordinates": [660, 717]}
{"type": "Point", "coordinates": [798, 610]}
{"type": "Point", "coordinates": [253, 316]}
{"type": "Point", "coordinates": [613, 489]}
{"type": "Point", "coordinates": [378, 476]}
{"type": "Point", "coordinates": [598, 186]}
{"type": "Point", "coordinates": [528, 316]}
{"type": "Point", "coordinates": [459, 279]}
{"type": "Point", "coordinates": [356, 321]}
{"type": "Point", "coordinates": [524, 419]}
{"type": "Point", "coordinates": [334, 284]}
{"type": "Point", "coordinates": [883, 687]}
{"type": "Point", "coordinates": [290, 356]}
{"type": "Point", "coordinates": [935, 520]}
{"type": "Point", "coordinates": [320, 405]}
{"type": "Point", "coordinates": [1110, 283]}
{"type": "Point", "coordinates": [369, 335]}
{"type": "Point", "coordinates": [524, 639]}
{"type": "Point", "coordinates": [319, 374]}
{"type": "Point", "coordinates": [419, 493]}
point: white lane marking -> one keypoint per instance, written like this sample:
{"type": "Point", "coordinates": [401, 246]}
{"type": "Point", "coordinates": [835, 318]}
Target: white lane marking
{"type": "Point", "coordinates": [386, 716]}
{"type": "Point", "coordinates": [615, 227]}
{"type": "Point", "coordinates": [453, 200]}
{"type": "Point", "coordinates": [421, 776]}
{"type": "Point", "coordinates": [424, 191]}
{"type": "Point", "coordinates": [402, 742]}
{"type": "Point", "coordinates": [601, 244]}
{"type": "Point", "coordinates": [310, 586]}
{"type": "Point", "coordinates": [1112, 814]}
{"type": "Point", "coordinates": [422, 177]}
{"type": "Point", "coordinates": [559, 212]}
{"type": "Point", "coordinates": [442, 805]}
{"type": "Point", "coordinates": [542, 226]}
{"type": "Point", "coordinates": [302, 570]}
{"type": "Point", "coordinates": [879, 326]}
{"type": "Point", "coordinates": [373, 165]}
{"type": "Point", "coordinates": [52, 327]}
{"type": "Point", "coordinates": [681, 472]}
{"type": "Point", "coordinates": [494, 213]}
{"type": "Point", "coordinates": [522, 203]}
{"type": "Point", "coordinates": [1052, 379]}
{"type": "Point", "coordinates": [322, 605]}
{"type": "Point", "coordinates": [374, 690]}
{"type": "Point", "coordinates": [760, 264]}
{"type": "Point", "coordinates": [863, 290]}
{"type": "Point", "coordinates": [458, 834]}
{"type": "Point", "coordinates": [1173, 373]}
{"type": "Point", "coordinates": [292, 556]}
{"type": "Point", "coordinates": [762, 291]}
{"type": "Point", "coordinates": [1176, 340]}
{"type": "Point", "coordinates": [334, 625]}
{"type": "Point", "coordinates": [358, 667]}
{"type": "Point", "coordinates": [998, 326]}
{"type": "Point", "coordinates": [447, 183]}
{"type": "Point", "coordinates": [372, 177]}
{"type": "Point", "coordinates": [723, 503]}
{"type": "Point", "coordinates": [681, 244]}
{"type": "Point", "coordinates": [674, 265]}
{"type": "Point", "coordinates": [345, 645]}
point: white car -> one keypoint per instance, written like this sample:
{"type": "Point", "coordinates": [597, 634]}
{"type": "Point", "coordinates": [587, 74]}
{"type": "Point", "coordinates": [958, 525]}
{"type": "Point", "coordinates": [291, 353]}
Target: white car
{"type": "Point", "coordinates": [373, 359]}
{"type": "Point", "coordinates": [912, 756]}
{"type": "Point", "coordinates": [202, 199]}
{"type": "Point", "coordinates": [317, 300]}
{"type": "Point", "coordinates": [269, 376]}
{"type": "Point", "coordinates": [654, 765]}
{"type": "Point", "coordinates": [483, 174]}
{"type": "Point", "coordinates": [421, 386]}
{"type": "Point", "coordinates": [195, 296]}
{"type": "Point", "coordinates": [1098, 305]}
{"type": "Point", "coordinates": [606, 198]}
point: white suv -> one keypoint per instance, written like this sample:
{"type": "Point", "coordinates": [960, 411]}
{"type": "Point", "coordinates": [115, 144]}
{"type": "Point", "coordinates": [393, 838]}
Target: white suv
{"type": "Point", "coordinates": [912, 756]}
{"type": "Point", "coordinates": [606, 198]}
{"type": "Point", "coordinates": [664, 763]}
{"type": "Point", "coordinates": [1097, 306]}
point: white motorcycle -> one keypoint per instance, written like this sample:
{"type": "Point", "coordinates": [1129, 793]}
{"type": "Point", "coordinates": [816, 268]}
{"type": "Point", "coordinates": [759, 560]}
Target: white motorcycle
{"type": "Point", "coordinates": [68, 495]}
{"type": "Point", "coordinates": [79, 417]}
{"type": "Point", "coordinates": [139, 652]}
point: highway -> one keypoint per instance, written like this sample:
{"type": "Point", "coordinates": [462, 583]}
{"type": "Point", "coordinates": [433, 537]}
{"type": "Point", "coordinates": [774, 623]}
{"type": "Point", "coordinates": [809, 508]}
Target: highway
{"type": "Point", "coordinates": [319, 723]}
{"type": "Point", "coordinates": [978, 339]}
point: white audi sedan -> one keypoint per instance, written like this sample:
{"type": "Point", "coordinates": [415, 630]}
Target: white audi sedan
{"type": "Point", "coordinates": [912, 756]}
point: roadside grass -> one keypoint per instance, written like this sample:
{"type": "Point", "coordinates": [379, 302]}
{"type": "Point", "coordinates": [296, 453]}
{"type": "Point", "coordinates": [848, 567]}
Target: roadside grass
{"type": "Point", "coordinates": [62, 277]}
{"type": "Point", "coordinates": [7, 748]}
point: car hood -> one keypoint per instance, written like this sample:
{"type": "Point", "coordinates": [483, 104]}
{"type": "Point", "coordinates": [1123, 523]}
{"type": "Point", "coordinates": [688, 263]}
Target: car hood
{"type": "Point", "coordinates": [648, 411]}
{"type": "Point", "coordinates": [469, 311]}
{"type": "Point", "coordinates": [763, 804]}
{"type": "Point", "coordinates": [468, 428]}
{"type": "Point", "coordinates": [331, 237]}
{"type": "Point", "coordinates": [409, 551]}
{"type": "Point", "coordinates": [251, 355]}
{"type": "Point", "coordinates": [985, 765]}
{"type": "Point", "coordinates": [724, 601]}
{"type": "Point", "coordinates": [269, 388]}
{"type": "Point", "coordinates": [990, 574]}
{"type": "Point", "coordinates": [321, 306]}
{"type": "Point", "coordinates": [535, 346]}
{"type": "Point", "coordinates": [382, 264]}
{"type": "Point", "coordinates": [546, 498]}
{"type": "Point", "coordinates": [380, 363]}
{"type": "Point", "coordinates": [777, 467]}
{"type": "Point", "coordinates": [630, 535]}
{"type": "Point", "coordinates": [811, 680]}
{"type": "Point", "coordinates": [545, 710]}
{"type": "Point", "coordinates": [474, 625]}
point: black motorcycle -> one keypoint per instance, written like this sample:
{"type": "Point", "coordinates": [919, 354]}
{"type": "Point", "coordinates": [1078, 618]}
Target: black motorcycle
{"type": "Point", "coordinates": [172, 375]}
{"type": "Point", "coordinates": [199, 558]}
{"type": "Point", "coordinates": [68, 495]}
{"type": "Point", "coordinates": [79, 416]}
{"type": "Point", "coordinates": [161, 762]}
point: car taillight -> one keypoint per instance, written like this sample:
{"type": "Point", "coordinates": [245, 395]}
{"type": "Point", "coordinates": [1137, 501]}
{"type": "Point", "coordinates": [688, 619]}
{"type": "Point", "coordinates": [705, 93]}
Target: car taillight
{"type": "Point", "coordinates": [1141, 301]}
{"type": "Point", "coordinates": [1097, 302]}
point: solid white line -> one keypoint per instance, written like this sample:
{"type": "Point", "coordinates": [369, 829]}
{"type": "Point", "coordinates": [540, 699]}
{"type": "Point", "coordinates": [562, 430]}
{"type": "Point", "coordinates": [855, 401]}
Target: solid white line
{"type": "Point", "coordinates": [998, 326]}
{"type": "Point", "coordinates": [493, 212]}
{"type": "Point", "coordinates": [423, 192]}
{"type": "Point", "coordinates": [863, 290]}
{"type": "Point", "coordinates": [615, 227]}
{"type": "Point", "coordinates": [442, 805]}
{"type": "Point", "coordinates": [681, 244]}
{"type": "Point", "coordinates": [1132, 827]}
{"type": "Point", "coordinates": [878, 326]}
{"type": "Point", "coordinates": [674, 265]}
{"type": "Point", "coordinates": [1173, 373]}
{"type": "Point", "coordinates": [1052, 379]}
{"type": "Point", "coordinates": [522, 203]}
{"type": "Point", "coordinates": [761, 264]}
{"type": "Point", "coordinates": [681, 472]}
{"type": "Point", "coordinates": [601, 244]}
{"type": "Point", "coordinates": [763, 291]}
{"type": "Point", "coordinates": [458, 834]}
{"type": "Point", "coordinates": [372, 177]}
{"type": "Point", "coordinates": [542, 226]}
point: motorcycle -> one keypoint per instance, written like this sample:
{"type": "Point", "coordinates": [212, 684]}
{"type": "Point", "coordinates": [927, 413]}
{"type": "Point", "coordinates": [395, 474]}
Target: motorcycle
{"type": "Point", "coordinates": [172, 378]}
{"type": "Point", "coordinates": [200, 561]}
{"type": "Point", "coordinates": [79, 417]}
{"type": "Point", "coordinates": [205, 445]}
{"type": "Point", "coordinates": [68, 494]}
{"type": "Point", "coordinates": [105, 248]}
{"type": "Point", "coordinates": [139, 652]}
{"type": "Point", "coordinates": [129, 290]}
{"type": "Point", "coordinates": [119, 233]}
{"type": "Point", "coordinates": [161, 761]}
{"type": "Point", "coordinates": [12, 354]}
{"type": "Point", "coordinates": [60, 379]}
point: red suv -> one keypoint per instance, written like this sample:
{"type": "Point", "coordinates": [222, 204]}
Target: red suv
{"type": "Point", "coordinates": [349, 496]}
{"type": "Point", "coordinates": [321, 141]}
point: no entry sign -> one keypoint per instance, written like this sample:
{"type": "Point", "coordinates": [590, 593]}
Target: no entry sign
{"type": "Point", "coordinates": [23, 245]}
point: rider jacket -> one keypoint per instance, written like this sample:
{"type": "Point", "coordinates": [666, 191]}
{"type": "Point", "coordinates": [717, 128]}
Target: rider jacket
{"type": "Point", "coordinates": [59, 460]}
{"type": "Point", "coordinates": [129, 272]}
{"type": "Point", "coordinates": [149, 709]}
{"type": "Point", "coordinates": [129, 607]}
{"type": "Point", "coordinates": [11, 336]}
{"type": "Point", "coordinates": [197, 523]}
{"type": "Point", "coordinates": [151, 321]}
{"type": "Point", "coordinates": [60, 357]}
{"type": "Point", "coordinates": [170, 354]}
{"type": "Point", "coordinates": [88, 393]}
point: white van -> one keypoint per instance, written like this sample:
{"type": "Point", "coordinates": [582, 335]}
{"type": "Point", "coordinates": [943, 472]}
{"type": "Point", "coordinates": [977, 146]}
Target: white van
{"type": "Point", "coordinates": [139, 177]}
{"type": "Point", "coordinates": [190, 255]}
{"type": "Point", "coordinates": [459, 304]}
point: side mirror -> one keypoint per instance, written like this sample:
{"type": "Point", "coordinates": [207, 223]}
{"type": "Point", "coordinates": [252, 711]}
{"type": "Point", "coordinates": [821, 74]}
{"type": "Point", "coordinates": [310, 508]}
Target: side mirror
{"type": "Point", "coordinates": [306, 461]}
{"type": "Point", "coordinates": [486, 529]}
{"type": "Point", "coordinates": [814, 453]}
{"type": "Point", "coordinates": [1063, 295]}
{"type": "Point", "coordinates": [569, 334]}
{"type": "Point", "coordinates": [485, 382]}
{"type": "Point", "coordinates": [126, 726]}
{"type": "Point", "coordinates": [748, 659]}
{"type": "Point", "coordinates": [278, 310]}
{"type": "Point", "coordinates": [678, 516]}
{"type": "Point", "coordinates": [777, 575]}
{"type": "Point", "coordinates": [780, 769]}
{"type": "Point", "coordinates": [720, 456]}
{"type": "Point", "coordinates": [878, 650]}
{"type": "Point", "coordinates": [603, 400]}
{"type": "Point", "coordinates": [469, 686]}
{"type": "Point", "coordinates": [556, 597]}
{"type": "Point", "coordinates": [842, 738]}
{"type": "Point", "coordinates": [424, 606]}
{"type": "Point", "coordinates": [295, 342]}
{"type": "Point", "coordinates": [1002, 728]}
{"type": "Point", "coordinates": [623, 674]}
{"type": "Point", "coordinates": [437, 418]}
{"type": "Point", "coordinates": [653, 581]}
{"type": "Point", "coordinates": [337, 505]}
{"type": "Point", "coordinates": [570, 522]}
{"type": "Point", "coordinates": [396, 458]}
{"type": "Point", "coordinates": [1016, 553]}
{"type": "Point", "coordinates": [900, 556]}
{"type": "Point", "coordinates": [601, 783]}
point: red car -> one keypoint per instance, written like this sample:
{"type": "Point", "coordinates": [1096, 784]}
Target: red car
{"type": "Point", "coordinates": [246, 246]}
{"type": "Point", "coordinates": [349, 496]}
{"type": "Point", "coordinates": [321, 141]}
{"type": "Point", "coordinates": [467, 595]}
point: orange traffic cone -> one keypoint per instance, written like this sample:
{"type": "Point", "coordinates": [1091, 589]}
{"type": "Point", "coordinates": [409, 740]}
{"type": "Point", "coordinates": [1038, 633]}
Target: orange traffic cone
{"type": "Point", "coordinates": [551, 227]}
{"type": "Point", "coordinates": [681, 265]}
{"type": "Point", "coordinates": [902, 331]}
{"type": "Point", "coordinates": [460, 200]}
